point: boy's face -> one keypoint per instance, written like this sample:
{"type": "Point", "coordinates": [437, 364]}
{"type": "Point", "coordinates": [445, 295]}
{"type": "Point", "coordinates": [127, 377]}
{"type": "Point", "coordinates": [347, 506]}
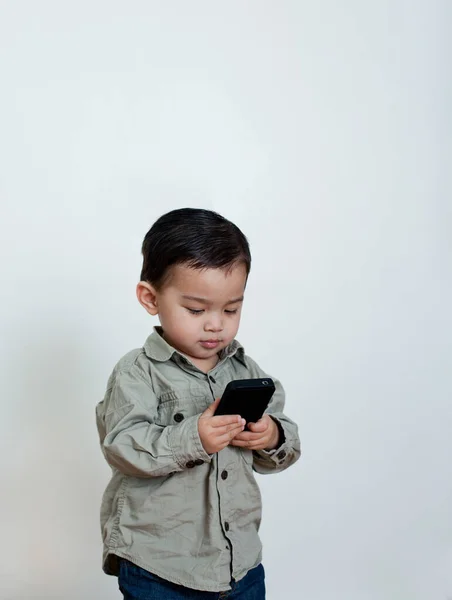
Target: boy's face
{"type": "Point", "coordinates": [199, 310]}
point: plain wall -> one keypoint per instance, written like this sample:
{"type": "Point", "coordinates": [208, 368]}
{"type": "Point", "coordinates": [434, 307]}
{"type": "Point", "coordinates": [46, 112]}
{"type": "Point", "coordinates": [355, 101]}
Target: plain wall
{"type": "Point", "coordinates": [323, 130]}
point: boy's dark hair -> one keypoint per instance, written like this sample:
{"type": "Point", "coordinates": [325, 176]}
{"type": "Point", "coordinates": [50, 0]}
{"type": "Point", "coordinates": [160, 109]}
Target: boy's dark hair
{"type": "Point", "coordinates": [195, 237]}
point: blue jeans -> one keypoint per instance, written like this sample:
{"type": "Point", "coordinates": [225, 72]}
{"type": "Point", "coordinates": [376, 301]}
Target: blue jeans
{"type": "Point", "coordinates": [137, 584]}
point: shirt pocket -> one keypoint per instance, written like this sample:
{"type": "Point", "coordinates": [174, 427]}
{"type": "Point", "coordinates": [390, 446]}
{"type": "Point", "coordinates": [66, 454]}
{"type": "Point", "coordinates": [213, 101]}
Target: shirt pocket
{"type": "Point", "coordinates": [173, 409]}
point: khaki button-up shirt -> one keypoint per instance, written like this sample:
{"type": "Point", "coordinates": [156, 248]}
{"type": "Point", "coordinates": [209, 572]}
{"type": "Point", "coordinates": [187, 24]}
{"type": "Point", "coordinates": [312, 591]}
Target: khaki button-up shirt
{"type": "Point", "coordinates": [171, 508]}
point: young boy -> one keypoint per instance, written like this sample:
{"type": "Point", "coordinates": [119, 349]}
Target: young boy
{"type": "Point", "coordinates": [181, 514]}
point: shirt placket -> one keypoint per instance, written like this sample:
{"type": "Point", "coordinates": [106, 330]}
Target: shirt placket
{"type": "Point", "coordinates": [222, 475]}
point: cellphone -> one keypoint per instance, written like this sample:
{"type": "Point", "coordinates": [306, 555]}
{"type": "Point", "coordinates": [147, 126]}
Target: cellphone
{"type": "Point", "coordinates": [248, 398]}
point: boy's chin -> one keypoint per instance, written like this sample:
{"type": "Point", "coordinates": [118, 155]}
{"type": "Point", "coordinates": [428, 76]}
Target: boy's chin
{"type": "Point", "coordinates": [204, 354]}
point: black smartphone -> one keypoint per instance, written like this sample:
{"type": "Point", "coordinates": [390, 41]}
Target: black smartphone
{"type": "Point", "coordinates": [246, 397]}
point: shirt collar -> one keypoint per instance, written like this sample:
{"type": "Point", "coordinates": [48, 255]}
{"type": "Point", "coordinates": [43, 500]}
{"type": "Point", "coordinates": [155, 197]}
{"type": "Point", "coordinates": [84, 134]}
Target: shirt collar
{"type": "Point", "coordinates": [157, 348]}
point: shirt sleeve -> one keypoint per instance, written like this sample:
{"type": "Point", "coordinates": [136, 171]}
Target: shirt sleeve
{"type": "Point", "coordinates": [289, 448]}
{"type": "Point", "coordinates": [132, 440]}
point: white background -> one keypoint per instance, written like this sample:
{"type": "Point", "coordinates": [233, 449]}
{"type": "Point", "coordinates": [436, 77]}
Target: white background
{"type": "Point", "coordinates": [323, 130]}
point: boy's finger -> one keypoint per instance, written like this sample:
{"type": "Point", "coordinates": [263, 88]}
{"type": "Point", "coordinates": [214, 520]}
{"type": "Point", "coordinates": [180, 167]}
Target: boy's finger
{"type": "Point", "coordinates": [223, 420]}
{"type": "Point", "coordinates": [210, 410]}
{"type": "Point", "coordinates": [226, 438]}
{"type": "Point", "coordinates": [231, 431]}
{"type": "Point", "coordinates": [259, 426]}
{"type": "Point", "coordinates": [248, 436]}
{"type": "Point", "coordinates": [237, 427]}
{"type": "Point", "coordinates": [250, 444]}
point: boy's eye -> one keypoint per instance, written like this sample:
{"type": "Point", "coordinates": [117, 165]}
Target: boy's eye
{"type": "Point", "coordinates": [231, 312]}
{"type": "Point", "coordinates": [195, 311]}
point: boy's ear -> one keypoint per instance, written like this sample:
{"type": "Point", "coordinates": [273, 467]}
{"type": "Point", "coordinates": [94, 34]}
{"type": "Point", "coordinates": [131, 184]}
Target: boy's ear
{"type": "Point", "coordinates": [147, 297]}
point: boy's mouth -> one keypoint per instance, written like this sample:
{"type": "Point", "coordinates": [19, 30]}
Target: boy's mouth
{"type": "Point", "coordinates": [210, 343]}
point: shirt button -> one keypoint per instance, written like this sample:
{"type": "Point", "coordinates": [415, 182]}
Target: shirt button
{"type": "Point", "coordinates": [212, 379]}
{"type": "Point", "coordinates": [178, 417]}
{"type": "Point", "coordinates": [226, 526]}
{"type": "Point", "coordinates": [199, 462]}
{"type": "Point", "coordinates": [281, 455]}
{"type": "Point", "coordinates": [224, 475]}
{"type": "Point", "coordinates": [190, 464]}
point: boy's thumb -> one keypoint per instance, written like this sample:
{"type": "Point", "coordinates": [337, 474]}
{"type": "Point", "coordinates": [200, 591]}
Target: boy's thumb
{"type": "Point", "coordinates": [210, 410]}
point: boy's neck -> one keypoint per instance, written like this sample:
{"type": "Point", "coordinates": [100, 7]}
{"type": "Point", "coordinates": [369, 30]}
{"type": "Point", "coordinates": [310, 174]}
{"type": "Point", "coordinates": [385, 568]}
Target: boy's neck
{"type": "Point", "coordinates": [206, 364]}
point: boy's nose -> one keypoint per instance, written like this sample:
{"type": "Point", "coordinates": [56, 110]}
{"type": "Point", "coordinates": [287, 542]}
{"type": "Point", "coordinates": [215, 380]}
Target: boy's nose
{"type": "Point", "coordinates": [214, 324]}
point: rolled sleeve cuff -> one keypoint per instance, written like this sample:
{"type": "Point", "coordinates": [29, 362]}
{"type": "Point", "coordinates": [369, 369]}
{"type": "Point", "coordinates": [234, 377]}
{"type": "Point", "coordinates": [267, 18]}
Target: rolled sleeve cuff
{"type": "Point", "coordinates": [277, 456]}
{"type": "Point", "coordinates": [283, 452]}
{"type": "Point", "coordinates": [186, 444]}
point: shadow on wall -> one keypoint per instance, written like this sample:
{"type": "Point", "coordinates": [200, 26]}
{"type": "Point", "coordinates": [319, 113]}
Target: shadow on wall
{"type": "Point", "coordinates": [52, 484]}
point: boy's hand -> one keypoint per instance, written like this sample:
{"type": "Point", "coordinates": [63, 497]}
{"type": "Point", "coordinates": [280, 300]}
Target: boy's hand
{"type": "Point", "coordinates": [217, 432]}
{"type": "Point", "coordinates": [263, 435]}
